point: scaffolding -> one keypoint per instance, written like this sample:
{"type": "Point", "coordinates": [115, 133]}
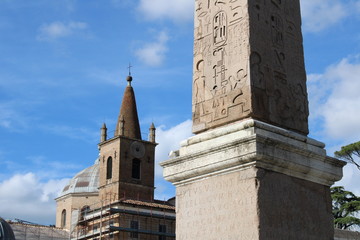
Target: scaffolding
{"type": "Point", "coordinates": [113, 219]}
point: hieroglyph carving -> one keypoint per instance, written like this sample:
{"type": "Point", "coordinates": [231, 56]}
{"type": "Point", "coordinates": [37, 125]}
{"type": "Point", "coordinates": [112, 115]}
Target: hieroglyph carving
{"type": "Point", "coordinates": [248, 62]}
{"type": "Point", "coordinates": [220, 85]}
{"type": "Point", "coordinates": [283, 101]}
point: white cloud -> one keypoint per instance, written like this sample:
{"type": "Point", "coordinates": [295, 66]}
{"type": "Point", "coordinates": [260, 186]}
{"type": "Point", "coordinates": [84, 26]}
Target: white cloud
{"type": "Point", "coordinates": [24, 196]}
{"type": "Point", "coordinates": [56, 30]}
{"type": "Point", "coordinates": [334, 105]}
{"type": "Point", "coordinates": [320, 14]}
{"type": "Point", "coordinates": [169, 140]}
{"type": "Point", "coordinates": [176, 10]}
{"type": "Point", "coordinates": [335, 99]}
{"type": "Point", "coordinates": [351, 179]}
{"type": "Point", "coordinates": [153, 54]}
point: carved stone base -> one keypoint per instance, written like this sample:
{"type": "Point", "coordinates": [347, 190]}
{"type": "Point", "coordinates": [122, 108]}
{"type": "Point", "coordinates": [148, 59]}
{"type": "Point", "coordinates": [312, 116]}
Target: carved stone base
{"type": "Point", "coordinates": [250, 180]}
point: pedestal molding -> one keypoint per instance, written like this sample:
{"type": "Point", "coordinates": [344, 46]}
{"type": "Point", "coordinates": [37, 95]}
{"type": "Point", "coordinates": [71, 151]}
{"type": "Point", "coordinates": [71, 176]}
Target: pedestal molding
{"type": "Point", "coordinates": [252, 143]}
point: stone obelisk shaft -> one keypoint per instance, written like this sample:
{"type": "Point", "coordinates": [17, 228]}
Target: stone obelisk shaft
{"type": "Point", "coordinates": [249, 63]}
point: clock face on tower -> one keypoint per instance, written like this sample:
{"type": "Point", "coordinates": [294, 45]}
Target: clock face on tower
{"type": "Point", "coordinates": [137, 149]}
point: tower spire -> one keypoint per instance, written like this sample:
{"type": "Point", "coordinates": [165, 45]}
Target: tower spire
{"type": "Point", "coordinates": [128, 116]}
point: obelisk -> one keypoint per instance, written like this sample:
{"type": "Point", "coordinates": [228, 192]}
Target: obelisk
{"type": "Point", "coordinates": [249, 63]}
{"type": "Point", "coordinates": [250, 172]}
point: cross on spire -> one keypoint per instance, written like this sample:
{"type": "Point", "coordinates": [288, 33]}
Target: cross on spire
{"type": "Point", "coordinates": [129, 67]}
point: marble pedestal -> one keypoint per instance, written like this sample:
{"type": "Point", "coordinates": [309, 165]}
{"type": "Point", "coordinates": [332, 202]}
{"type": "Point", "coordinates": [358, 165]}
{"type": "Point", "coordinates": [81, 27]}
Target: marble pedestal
{"type": "Point", "coordinates": [251, 180]}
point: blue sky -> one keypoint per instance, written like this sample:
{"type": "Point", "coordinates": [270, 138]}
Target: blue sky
{"type": "Point", "coordinates": [63, 67]}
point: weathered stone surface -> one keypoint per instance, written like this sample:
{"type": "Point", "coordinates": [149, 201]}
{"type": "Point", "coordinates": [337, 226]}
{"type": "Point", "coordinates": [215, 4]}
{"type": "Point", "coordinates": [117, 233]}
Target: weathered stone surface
{"type": "Point", "coordinates": [248, 63]}
{"type": "Point", "coordinates": [252, 204]}
{"type": "Point", "coordinates": [220, 207]}
{"type": "Point", "coordinates": [251, 180]}
{"type": "Point", "coordinates": [252, 143]}
{"type": "Point", "coordinates": [291, 208]}
{"type": "Point", "coordinates": [346, 235]}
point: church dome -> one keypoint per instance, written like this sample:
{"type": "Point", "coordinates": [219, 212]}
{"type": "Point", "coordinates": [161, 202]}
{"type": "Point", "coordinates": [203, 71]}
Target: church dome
{"type": "Point", "coordinates": [86, 181]}
{"type": "Point", "coordinates": [6, 232]}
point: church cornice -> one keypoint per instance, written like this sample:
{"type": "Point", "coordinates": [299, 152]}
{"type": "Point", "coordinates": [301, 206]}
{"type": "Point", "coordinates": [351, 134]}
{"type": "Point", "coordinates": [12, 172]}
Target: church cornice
{"type": "Point", "coordinates": [125, 138]}
{"type": "Point", "coordinates": [82, 194]}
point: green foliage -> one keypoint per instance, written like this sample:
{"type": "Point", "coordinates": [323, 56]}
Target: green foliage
{"type": "Point", "coordinates": [349, 152]}
{"type": "Point", "coordinates": [345, 207]}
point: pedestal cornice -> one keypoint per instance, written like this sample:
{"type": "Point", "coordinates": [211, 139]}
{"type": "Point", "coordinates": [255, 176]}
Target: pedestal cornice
{"type": "Point", "coordinates": [251, 143]}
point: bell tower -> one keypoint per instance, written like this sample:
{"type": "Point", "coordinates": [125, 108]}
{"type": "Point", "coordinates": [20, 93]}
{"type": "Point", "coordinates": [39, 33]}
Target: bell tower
{"type": "Point", "coordinates": [127, 161]}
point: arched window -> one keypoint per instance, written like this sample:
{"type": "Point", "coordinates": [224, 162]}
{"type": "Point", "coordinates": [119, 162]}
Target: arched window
{"type": "Point", "coordinates": [84, 210]}
{"type": "Point", "coordinates": [109, 168]}
{"type": "Point", "coordinates": [135, 173]}
{"type": "Point", "coordinates": [63, 218]}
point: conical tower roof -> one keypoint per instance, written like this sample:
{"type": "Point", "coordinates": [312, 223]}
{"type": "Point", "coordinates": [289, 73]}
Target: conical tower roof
{"type": "Point", "coordinates": [128, 118]}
